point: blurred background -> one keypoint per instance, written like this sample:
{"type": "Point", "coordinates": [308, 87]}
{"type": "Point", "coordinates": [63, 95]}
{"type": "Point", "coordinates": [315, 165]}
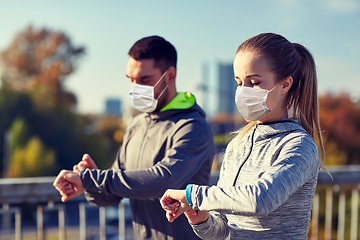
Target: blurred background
{"type": "Point", "coordinates": [63, 64]}
{"type": "Point", "coordinates": [63, 90]}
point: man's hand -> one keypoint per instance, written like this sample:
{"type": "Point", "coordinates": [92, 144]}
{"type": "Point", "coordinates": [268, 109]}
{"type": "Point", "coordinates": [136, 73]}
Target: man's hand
{"type": "Point", "coordinates": [69, 184]}
{"type": "Point", "coordinates": [174, 203]}
{"type": "Point", "coordinates": [86, 162]}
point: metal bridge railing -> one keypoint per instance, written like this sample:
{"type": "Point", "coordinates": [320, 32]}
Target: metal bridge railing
{"type": "Point", "coordinates": [335, 213]}
{"type": "Point", "coordinates": [40, 191]}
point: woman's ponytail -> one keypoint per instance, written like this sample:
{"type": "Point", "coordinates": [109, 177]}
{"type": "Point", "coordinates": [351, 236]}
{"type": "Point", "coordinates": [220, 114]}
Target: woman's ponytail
{"type": "Point", "coordinates": [304, 101]}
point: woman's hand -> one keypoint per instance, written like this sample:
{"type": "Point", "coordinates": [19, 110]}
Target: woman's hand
{"type": "Point", "coordinates": [174, 203]}
{"type": "Point", "coordinates": [196, 216]}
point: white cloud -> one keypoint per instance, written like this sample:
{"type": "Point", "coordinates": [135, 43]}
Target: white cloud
{"type": "Point", "coordinates": [334, 6]}
{"type": "Point", "coordinates": [342, 6]}
{"type": "Point", "coordinates": [294, 4]}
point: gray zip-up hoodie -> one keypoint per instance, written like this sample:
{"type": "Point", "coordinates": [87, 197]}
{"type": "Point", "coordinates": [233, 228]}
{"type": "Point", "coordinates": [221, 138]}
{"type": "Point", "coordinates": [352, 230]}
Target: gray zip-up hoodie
{"type": "Point", "coordinates": [160, 150]}
{"type": "Point", "coordinates": [266, 186]}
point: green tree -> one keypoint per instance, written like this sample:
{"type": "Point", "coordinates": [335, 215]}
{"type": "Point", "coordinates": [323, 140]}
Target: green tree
{"type": "Point", "coordinates": [28, 158]}
{"type": "Point", "coordinates": [28, 127]}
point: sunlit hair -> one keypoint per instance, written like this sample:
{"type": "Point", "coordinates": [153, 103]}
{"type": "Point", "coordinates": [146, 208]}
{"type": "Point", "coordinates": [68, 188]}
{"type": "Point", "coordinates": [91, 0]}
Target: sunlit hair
{"type": "Point", "coordinates": [157, 48]}
{"type": "Point", "coordinates": [286, 59]}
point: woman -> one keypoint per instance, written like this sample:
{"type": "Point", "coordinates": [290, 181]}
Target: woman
{"type": "Point", "coordinates": [270, 169]}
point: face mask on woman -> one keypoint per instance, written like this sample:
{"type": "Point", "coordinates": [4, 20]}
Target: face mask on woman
{"type": "Point", "coordinates": [251, 102]}
{"type": "Point", "coordinates": [142, 96]}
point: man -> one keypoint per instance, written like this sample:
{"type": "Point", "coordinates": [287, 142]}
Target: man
{"type": "Point", "coordinates": [168, 146]}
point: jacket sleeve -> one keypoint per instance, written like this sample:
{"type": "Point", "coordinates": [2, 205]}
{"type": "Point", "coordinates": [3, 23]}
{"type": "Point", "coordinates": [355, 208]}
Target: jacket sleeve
{"type": "Point", "coordinates": [296, 164]}
{"type": "Point", "coordinates": [192, 146]}
{"type": "Point", "coordinates": [215, 228]}
{"type": "Point", "coordinates": [100, 199]}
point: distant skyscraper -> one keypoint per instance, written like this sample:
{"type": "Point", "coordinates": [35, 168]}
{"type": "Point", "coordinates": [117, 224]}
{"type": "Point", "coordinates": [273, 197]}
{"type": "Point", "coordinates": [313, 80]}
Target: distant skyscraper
{"type": "Point", "coordinates": [113, 106]}
{"type": "Point", "coordinates": [203, 88]}
{"type": "Point", "coordinates": [227, 87]}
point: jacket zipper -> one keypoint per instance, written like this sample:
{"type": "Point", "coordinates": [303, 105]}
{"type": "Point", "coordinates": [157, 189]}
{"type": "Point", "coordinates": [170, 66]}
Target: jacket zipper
{"type": "Point", "coordinates": [143, 144]}
{"type": "Point", "coordinates": [247, 157]}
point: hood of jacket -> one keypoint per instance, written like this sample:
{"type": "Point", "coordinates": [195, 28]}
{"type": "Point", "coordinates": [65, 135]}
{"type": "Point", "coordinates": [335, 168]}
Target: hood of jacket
{"type": "Point", "coordinates": [270, 129]}
{"type": "Point", "coordinates": [182, 102]}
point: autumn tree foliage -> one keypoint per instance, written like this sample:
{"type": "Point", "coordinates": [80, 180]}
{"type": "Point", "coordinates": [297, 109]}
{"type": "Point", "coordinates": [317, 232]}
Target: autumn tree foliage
{"type": "Point", "coordinates": [40, 133]}
{"type": "Point", "coordinates": [340, 121]}
{"type": "Point", "coordinates": [35, 106]}
{"type": "Point", "coordinates": [38, 61]}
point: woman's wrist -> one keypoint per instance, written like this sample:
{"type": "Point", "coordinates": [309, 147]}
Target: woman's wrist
{"type": "Point", "coordinates": [188, 194]}
{"type": "Point", "coordinates": [196, 217]}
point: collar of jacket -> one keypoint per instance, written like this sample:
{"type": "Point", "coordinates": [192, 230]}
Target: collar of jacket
{"type": "Point", "coordinates": [180, 101]}
{"type": "Point", "coordinates": [265, 130]}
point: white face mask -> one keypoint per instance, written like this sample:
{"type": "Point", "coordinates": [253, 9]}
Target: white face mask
{"type": "Point", "coordinates": [251, 102]}
{"type": "Point", "coordinates": [142, 96]}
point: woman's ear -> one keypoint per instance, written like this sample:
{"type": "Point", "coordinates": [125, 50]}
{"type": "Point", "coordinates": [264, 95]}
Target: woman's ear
{"type": "Point", "coordinates": [286, 85]}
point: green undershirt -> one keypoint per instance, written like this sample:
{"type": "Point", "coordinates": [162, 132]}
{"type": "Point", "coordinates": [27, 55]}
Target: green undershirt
{"type": "Point", "coordinates": [180, 101]}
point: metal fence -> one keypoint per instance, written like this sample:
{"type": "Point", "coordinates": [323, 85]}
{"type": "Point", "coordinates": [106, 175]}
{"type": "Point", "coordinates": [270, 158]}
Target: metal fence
{"type": "Point", "coordinates": [336, 198]}
{"type": "Point", "coordinates": [40, 191]}
{"type": "Point", "coordinates": [335, 213]}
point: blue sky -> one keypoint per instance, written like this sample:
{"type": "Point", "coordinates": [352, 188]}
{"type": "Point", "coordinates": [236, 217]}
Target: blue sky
{"type": "Point", "coordinates": [202, 31]}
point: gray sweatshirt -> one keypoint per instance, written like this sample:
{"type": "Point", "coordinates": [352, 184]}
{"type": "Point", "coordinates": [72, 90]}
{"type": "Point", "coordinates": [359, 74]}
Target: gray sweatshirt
{"type": "Point", "coordinates": [160, 150]}
{"type": "Point", "coordinates": [266, 186]}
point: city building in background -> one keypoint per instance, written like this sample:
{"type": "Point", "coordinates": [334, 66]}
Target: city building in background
{"type": "Point", "coordinates": [113, 107]}
{"type": "Point", "coordinates": [216, 91]}
{"type": "Point", "coordinates": [226, 88]}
